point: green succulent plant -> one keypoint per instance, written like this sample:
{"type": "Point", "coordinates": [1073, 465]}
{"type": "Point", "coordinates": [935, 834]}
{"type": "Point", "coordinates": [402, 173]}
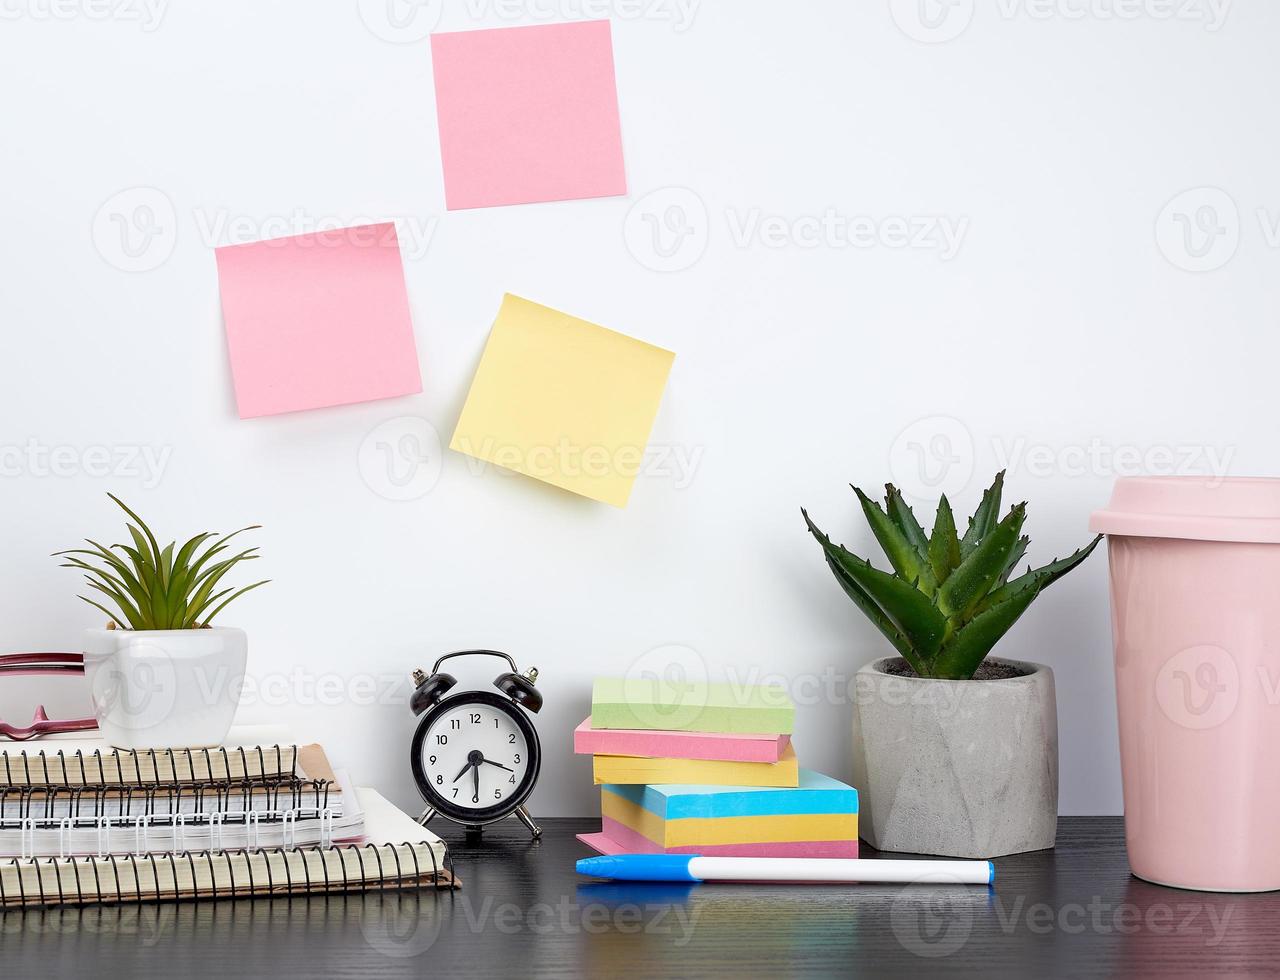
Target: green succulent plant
{"type": "Point", "coordinates": [949, 598]}
{"type": "Point", "coordinates": [156, 588]}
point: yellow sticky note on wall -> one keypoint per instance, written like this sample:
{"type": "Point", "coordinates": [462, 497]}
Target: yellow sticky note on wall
{"type": "Point", "coordinates": [564, 401]}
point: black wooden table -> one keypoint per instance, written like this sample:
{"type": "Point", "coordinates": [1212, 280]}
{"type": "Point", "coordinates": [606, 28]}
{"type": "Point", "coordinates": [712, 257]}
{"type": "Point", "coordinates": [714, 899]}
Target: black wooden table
{"type": "Point", "coordinates": [523, 912]}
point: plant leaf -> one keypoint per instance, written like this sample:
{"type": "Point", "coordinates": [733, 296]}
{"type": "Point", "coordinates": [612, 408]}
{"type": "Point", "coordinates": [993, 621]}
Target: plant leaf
{"type": "Point", "coordinates": [193, 612]}
{"type": "Point", "coordinates": [969, 584]}
{"type": "Point", "coordinates": [131, 615]}
{"type": "Point", "coordinates": [110, 615]}
{"type": "Point", "coordinates": [155, 587]}
{"type": "Point", "coordinates": [908, 609]}
{"type": "Point", "coordinates": [965, 651]}
{"type": "Point", "coordinates": [900, 513]}
{"type": "Point", "coordinates": [868, 607]}
{"type": "Point", "coordinates": [151, 538]}
{"type": "Point", "coordinates": [1044, 576]}
{"type": "Point", "coordinates": [217, 547]}
{"type": "Point", "coordinates": [1015, 556]}
{"type": "Point", "coordinates": [211, 576]}
{"type": "Point", "coordinates": [903, 556]}
{"type": "Point", "coordinates": [985, 517]}
{"type": "Point", "coordinates": [84, 566]}
{"type": "Point", "coordinates": [944, 546]}
{"type": "Point", "coordinates": [182, 573]}
{"type": "Point", "coordinates": [223, 605]}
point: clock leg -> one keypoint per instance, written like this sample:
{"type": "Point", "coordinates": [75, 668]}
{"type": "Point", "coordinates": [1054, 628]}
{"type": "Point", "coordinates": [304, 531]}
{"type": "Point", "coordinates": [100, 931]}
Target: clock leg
{"type": "Point", "coordinates": [527, 820]}
{"type": "Point", "coordinates": [427, 814]}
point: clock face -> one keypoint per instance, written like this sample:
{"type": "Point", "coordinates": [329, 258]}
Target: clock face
{"type": "Point", "coordinates": [475, 756]}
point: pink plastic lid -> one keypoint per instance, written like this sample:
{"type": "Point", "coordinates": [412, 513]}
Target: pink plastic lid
{"type": "Point", "coordinates": [1201, 508]}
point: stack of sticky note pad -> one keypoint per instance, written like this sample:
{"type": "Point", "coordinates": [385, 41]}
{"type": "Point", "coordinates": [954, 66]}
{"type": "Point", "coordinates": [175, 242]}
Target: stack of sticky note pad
{"type": "Point", "coordinates": [708, 769]}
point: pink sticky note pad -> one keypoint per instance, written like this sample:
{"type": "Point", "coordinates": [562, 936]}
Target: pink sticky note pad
{"type": "Point", "coordinates": [618, 838]}
{"type": "Point", "coordinates": [528, 114]}
{"type": "Point", "coordinates": [712, 746]}
{"type": "Point", "coordinates": [318, 319]}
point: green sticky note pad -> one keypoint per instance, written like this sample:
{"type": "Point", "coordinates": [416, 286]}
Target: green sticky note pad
{"type": "Point", "coordinates": [663, 705]}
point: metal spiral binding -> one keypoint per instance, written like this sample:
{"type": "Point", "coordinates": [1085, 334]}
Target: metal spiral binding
{"type": "Point", "coordinates": [164, 803]}
{"type": "Point", "coordinates": [363, 857]}
{"type": "Point", "coordinates": [105, 765]}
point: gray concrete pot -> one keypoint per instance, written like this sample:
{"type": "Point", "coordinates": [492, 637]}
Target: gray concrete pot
{"type": "Point", "coordinates": [959, 768]}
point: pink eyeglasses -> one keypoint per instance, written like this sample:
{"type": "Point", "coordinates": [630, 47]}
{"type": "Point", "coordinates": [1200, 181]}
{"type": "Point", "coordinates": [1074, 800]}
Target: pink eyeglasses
{"type": "Point", "coordinates": [43, 663]}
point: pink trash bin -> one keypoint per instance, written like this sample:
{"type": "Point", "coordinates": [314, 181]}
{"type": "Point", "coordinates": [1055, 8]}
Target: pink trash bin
{"type": "Point", "coordinates": [1195, 608]}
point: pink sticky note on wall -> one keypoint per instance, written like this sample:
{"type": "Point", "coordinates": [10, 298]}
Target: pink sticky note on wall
{"type": "Point", "coordinates": [316, 320]}
{"type": "Point", "coordinates": [528, 114]}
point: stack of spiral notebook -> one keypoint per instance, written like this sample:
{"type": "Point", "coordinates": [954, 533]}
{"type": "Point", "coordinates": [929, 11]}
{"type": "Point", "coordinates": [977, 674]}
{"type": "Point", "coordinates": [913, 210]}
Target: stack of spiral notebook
{"type": "Point", "coordinates": [83, 823]}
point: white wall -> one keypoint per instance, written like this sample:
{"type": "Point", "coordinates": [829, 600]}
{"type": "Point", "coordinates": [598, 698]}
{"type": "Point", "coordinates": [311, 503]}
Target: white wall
{"type": "Point", "coordinates": [1064, 321]}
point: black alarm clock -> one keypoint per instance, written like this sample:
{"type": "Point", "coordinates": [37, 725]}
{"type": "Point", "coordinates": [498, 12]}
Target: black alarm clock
{"type": "Point", "coordinates": [475, 755]}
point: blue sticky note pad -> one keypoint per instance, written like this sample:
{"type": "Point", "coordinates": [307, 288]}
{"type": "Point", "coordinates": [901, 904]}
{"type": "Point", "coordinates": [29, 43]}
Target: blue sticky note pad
{"type": "Point", "coordinates": [815, 794]}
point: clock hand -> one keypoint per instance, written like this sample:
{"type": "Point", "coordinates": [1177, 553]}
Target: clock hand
{"type": "Point", "coordinates": [490, 762]}
{"type": "Point", "coordinates": [475, 781]}
{"type": "Point", "coordinates": [463, 771]}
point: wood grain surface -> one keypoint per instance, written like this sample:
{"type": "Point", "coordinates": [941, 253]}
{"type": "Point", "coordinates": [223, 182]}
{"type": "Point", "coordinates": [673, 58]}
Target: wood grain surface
{"type": "Point", "coordinates": [1074, 911]}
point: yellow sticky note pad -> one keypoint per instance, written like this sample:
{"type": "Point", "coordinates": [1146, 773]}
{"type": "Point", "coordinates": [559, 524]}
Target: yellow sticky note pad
{"type": "Point", "coordinates": [563, 400]}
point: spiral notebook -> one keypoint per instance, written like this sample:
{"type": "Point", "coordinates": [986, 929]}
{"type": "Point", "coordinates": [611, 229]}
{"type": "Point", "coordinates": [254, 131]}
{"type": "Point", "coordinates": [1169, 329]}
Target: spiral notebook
{"type": "Point", "coordinates": [395, 854]}
{"type": "Point", "coordinates": [88, 805]}
{"type": "Point", "coordinates": [312, 785]}
{"type": "Point", "coordinates": [250, 752]}
{"type": "Point", "coordinates": [341, 819]}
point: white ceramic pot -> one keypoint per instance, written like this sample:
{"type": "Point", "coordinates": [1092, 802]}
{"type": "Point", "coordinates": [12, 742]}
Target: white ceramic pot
{"type": "Point", "coordinates": [165, 688]}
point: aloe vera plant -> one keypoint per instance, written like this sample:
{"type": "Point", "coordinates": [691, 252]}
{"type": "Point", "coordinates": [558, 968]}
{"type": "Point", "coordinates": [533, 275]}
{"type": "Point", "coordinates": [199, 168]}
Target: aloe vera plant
{"type": "Point", "coordinates": [949, 599]}
{"type": "Point", "coordinates": [155, 588]}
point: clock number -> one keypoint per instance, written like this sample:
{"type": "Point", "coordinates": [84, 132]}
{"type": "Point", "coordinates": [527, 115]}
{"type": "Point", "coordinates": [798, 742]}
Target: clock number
{"type": "Point", "coordinates": [511, 739]}
{"type": "Point", "coordinates": [475, 718]}
{"type": "Point", "coordinates": [439, 780]}
{"type": "Point", "coordinates": [517, 758]}
{"type": "Point", "coordinates": [442, 740]}
{"type": "Point", "coordinates": [431, 759]}
{"type": "Point", "coordinates": [455, 724]}
{"type": "Point", "coordinates": [497, 794]}
{"type": "Point", "coordinates": [512, 780]}
{"type": "Point", "coordinates": [455, 792]}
